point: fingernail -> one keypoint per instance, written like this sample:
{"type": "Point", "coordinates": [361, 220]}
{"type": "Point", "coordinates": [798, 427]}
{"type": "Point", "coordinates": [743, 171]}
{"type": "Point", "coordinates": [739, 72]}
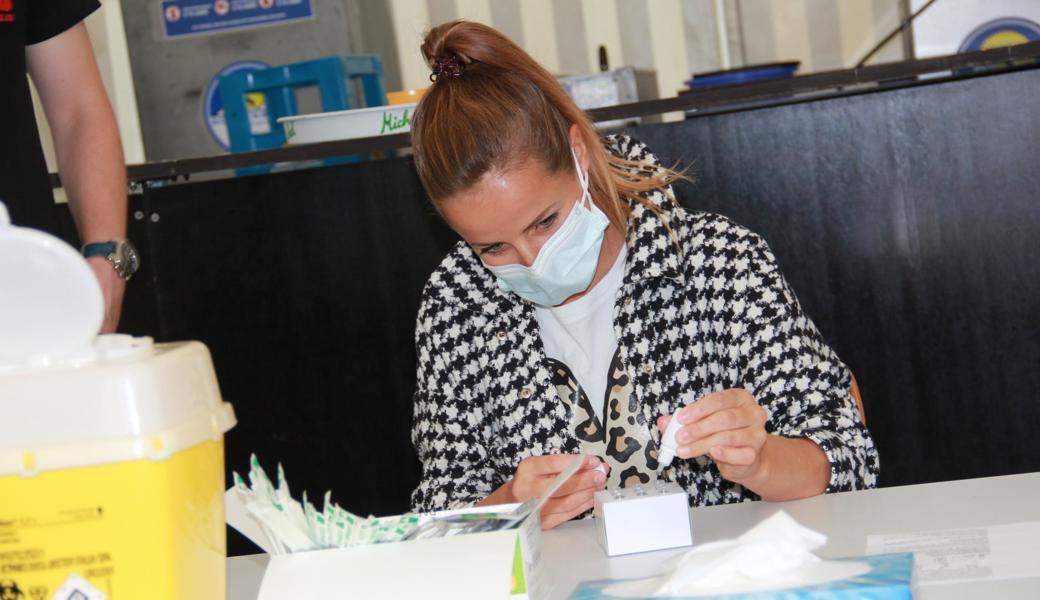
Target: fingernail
{"type": "Point", "coordinates": [682, 436]}
{"type": "Point", "coordinates": [684, 452]}
{"type": "Point", "coordinates": [600, 477]}
{"type": "Point", "coordinates": [685, 416]}
{"type": "Point", "coordinates": [715, 452]}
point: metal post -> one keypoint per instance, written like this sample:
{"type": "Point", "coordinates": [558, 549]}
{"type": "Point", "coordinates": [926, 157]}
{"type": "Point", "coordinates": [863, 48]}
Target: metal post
{"type": "Point", "coordinates": [722, 34]}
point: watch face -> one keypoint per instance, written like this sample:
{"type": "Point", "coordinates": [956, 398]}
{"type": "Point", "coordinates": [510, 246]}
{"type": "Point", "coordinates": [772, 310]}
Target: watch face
{"type": "Point", "coordinates": [129, 261]}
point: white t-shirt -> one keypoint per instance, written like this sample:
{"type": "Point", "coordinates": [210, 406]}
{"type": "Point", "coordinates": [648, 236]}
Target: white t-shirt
{"type": "Point", "coordinates": [581, 334]}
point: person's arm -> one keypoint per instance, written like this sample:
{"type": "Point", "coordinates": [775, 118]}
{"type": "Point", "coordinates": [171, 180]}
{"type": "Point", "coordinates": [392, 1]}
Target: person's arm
{"type": "Point", "coordinates": [86, 140]}
{"type": "Point", "coordinates": [787, 427]}
{"type": "Point", "coordinates": [790, 468]}
{"type": "Point", "coordinates": [729, 426]}
{"type": "Point", "coordinates": [450, 428]}
{"type": "Point", "coordinates": [817, 442]}
{"type": "Point", "coordinates": [451, 432]}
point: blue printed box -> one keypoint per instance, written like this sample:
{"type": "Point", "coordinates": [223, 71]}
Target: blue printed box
{"type": "Point", "coordinates": [889, 578]}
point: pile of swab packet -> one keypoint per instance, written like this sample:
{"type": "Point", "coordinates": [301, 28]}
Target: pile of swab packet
{"type": "Point", "coordinates": [291, 526]}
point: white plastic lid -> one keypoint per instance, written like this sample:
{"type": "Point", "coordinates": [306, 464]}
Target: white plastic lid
{"type": "Point", "coordinates": [51, 306]}
{"type": "Point", "coordinates": [136, 400]}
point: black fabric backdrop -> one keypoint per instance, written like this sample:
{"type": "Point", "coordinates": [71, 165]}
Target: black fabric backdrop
{"type": "Point", "coordinates": [906, 221]}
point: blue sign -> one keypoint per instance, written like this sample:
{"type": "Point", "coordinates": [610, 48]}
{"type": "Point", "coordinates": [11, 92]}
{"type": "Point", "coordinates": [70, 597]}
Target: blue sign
{"type": "Point", "coordinates": [213, 107]}
{"type": "Point", "coordinates": [193, 17]}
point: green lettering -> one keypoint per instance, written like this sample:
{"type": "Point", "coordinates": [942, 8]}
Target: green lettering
{"type": "Point", "coordinates": [390, 123]}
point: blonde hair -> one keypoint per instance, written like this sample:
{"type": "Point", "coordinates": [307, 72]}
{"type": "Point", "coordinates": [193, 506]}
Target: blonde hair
{"type": "Point", "coordinates": [492, 106]}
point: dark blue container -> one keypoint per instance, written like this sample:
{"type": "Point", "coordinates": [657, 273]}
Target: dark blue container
{"type": "Point", "coordinates": [743, 75]}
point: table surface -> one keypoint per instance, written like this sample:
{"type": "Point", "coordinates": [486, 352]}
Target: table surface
{"type": "Point", "coordinates": [572, 552]}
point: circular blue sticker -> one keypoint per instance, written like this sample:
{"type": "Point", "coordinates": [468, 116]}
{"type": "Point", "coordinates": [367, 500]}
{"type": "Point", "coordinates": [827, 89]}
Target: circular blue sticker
{"type": "Point", "coordinates": [998, 33]}
{"type": "Point", "coordinates": [213, 108]}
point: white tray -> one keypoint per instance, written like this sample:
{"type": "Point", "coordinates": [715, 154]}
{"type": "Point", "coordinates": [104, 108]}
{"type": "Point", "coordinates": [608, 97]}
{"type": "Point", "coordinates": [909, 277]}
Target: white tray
{"type": "Point", "coordinates": [347, 124]}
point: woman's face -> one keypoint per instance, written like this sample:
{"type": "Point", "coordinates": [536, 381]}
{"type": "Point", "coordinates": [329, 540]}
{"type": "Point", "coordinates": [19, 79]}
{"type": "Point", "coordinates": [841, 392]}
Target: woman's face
{"type": "Point", "coordinates": [507, 215]}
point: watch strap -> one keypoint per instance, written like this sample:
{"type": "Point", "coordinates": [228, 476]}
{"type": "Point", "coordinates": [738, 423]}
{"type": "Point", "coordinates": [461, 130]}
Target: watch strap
{"type": "Point", "coordinates": [103, 249]}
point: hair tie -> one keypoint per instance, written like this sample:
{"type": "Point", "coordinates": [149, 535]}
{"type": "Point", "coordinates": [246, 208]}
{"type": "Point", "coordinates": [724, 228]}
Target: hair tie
{"type": "Point", "coordinates": [448, 66]}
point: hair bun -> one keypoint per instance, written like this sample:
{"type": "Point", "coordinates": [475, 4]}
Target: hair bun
{"type": "Point", "coordinates": [445, 49]}
{"type": "Point", "coordinates": [446, 66]}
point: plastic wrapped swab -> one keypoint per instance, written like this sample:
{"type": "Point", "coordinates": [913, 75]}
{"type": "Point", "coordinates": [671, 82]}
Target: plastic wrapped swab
{"type": "Point", "coordinates": [292, 526]}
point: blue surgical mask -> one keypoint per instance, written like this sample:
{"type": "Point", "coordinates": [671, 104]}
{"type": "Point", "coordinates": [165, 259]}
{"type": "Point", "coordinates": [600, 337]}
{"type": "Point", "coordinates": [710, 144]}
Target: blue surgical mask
{"type": "Point", "coordinates": [567, 261]}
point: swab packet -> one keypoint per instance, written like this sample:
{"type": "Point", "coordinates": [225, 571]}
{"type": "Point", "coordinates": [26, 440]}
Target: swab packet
{"type": "Point", "coordinates": [292, 526]}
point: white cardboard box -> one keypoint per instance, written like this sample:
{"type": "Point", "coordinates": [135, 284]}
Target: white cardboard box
{"type": "Point", "coordinates": [643, 518]}
{"type": "Point", "coordinates": [478, 566]}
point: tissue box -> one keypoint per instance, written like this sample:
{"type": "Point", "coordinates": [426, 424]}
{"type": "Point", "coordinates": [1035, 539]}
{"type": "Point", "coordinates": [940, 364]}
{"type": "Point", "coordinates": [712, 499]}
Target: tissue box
{"type": "Point", "coordinates": [479, 566]}
{"type": "Point", "coordinates": [643, 518]}
{"type": "Point", "coordinates": [889, 578]}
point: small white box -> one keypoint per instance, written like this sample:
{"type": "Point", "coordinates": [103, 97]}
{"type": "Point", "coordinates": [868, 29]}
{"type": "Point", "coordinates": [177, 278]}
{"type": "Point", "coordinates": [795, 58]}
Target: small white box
{"type": "Point", "coordinates": [643, 518]}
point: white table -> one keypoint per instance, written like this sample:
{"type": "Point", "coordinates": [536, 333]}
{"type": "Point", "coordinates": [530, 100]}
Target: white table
{"type": "Point", "coordinates": [572, 553]}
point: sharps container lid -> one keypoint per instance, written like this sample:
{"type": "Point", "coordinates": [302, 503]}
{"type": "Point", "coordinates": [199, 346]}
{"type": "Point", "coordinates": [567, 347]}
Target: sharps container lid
{"type": "Point", "coordinates": [51, 305]}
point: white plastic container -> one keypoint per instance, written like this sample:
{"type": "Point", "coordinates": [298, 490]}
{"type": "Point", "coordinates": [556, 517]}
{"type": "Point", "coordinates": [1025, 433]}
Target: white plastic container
{"type": "Point", "coordinates": [348, 124]}
{"type": "Point", "coordinates": [111, 447]}
{"type": "Point", "coordinates": [642, 519]}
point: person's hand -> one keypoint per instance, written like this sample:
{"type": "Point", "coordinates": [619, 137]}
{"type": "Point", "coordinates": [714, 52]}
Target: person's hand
{"type": "Point", "coordinates": [575, 496]}
{"type": "Point", "coordinates": [729, 426]}
{"type": "Point", "coordinates": [112, 288]}
{"type": "Point", "coordinates": [535, 473]}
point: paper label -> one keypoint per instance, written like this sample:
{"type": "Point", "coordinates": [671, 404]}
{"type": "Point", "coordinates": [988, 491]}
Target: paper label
{"type": "Point", "coordinates": [42, 545]}
{"type": "Point", "coordinates": [968, 554]}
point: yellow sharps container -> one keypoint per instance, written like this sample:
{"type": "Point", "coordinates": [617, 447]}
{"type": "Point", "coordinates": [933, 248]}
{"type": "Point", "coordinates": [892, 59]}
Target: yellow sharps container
{"type": "Point", "coordinates": [111, 447]}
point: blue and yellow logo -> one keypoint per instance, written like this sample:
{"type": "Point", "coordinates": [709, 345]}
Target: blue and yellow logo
{"type": "Point", "coordinates": [1007, 31]}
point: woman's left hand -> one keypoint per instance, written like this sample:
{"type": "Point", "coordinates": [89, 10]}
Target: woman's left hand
{"type": "Point", "coordinates": [729, 426]}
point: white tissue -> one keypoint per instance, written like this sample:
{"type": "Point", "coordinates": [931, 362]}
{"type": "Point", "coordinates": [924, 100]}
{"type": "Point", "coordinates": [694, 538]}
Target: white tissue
{"type": "Point", "coordinates": [775, 554]}
{"type": "Point", "coordinates": [771, 549]}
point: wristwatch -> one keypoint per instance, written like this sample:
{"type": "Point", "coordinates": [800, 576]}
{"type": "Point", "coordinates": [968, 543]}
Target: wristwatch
{"type": "Point", "coordinates": [121, 253]}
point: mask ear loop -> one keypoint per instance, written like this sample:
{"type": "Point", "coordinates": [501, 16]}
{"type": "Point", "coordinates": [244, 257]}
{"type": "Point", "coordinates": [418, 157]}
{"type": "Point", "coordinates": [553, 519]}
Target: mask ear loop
{"type": "Point", "coordinates": [583, 179]}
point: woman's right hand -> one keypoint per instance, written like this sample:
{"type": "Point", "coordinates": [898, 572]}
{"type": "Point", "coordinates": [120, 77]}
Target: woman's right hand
{"type": "Point", "coordinates": [535, 473]}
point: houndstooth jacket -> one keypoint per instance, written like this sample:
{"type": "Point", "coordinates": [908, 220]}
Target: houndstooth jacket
{"type": "Point", "coordinates": [702, 311]}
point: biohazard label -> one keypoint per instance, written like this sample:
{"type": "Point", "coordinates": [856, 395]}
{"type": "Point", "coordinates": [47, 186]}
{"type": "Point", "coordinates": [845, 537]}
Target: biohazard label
{"type": "Point", "coordinates": [77, 588]}
{"type": "Point", "coordinates": [9, 590]}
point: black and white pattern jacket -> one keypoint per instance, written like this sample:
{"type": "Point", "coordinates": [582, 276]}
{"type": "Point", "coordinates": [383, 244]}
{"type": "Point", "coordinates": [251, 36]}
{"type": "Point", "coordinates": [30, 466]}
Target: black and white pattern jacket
{"type": "Point", "coordinates": [702, 309]}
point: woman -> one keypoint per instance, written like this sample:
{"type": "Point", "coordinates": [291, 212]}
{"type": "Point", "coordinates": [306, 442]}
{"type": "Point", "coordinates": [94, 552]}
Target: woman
{"type": "Point", "coordinates": [584, 306]}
